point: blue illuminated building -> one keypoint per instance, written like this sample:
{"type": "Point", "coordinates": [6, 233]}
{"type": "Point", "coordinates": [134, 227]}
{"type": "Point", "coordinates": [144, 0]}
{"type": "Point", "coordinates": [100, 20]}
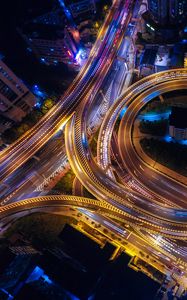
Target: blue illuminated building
{"type": "Point", "coordinates": [17, 263]}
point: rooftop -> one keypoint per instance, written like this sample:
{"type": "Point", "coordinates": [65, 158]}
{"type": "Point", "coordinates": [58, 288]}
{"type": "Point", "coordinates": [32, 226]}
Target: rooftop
{"type": "Point", "coordinates": [149, 57]}
{"type": "Point", "coordinates": [178, 117]}
{"type": "Point", "coordinates": [43, 31]}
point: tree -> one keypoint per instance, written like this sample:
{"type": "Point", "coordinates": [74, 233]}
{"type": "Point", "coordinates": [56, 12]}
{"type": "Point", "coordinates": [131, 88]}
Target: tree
{"type": "Point", "coordinates": [48, 103]}
{"type": "Point", "coordinates": [65, 184]}
{"type": "Point", "coordinates": [9, 135]}
{"type": "Point", "coordinates": [32, 118]}
{"type": "Point", "coordinates": [22, 129]}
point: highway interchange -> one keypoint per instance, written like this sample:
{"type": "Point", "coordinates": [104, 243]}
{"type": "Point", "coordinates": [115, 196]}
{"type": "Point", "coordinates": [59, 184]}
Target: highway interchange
{"type": "Point", "coordinates": [161, 209]}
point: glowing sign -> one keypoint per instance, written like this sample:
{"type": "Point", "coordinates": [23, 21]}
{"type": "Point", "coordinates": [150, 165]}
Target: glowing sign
{"type": "Point", "coordinates": [69, 53]}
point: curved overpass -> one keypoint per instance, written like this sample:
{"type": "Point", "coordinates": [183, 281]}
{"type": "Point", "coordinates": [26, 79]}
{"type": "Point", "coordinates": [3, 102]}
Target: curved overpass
{"type": "Point", "coordinates": [60, 201]}
{"type": "Point", "coordinates": [171, 191]}
{"type": "Point", "coordinates": [144, 173]}
{"type": "Point", "coordinates": [133, 100]}
{"type": "Point", "coordinates": [124, 101]}
{"type": "Point", "coordinates": [101, 213]}
{"type": "Point", "coordinates": [167, 221]}
{"type": "Point", "coordinates": [24, 148]}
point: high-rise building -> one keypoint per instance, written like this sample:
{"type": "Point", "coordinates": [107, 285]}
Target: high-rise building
{"type": "Point", "coordinates": [178, 11]}
{"type": "Point", "coordinates": [51, 38]}
{"type": "Point", "coordinates": [168, 12]}
{"type": "Point", "coordinates": [15, 98]}
{"type": "Point", "coordinates": [17, 265]}
{"type": "Point", "coordinates": [178, 123]}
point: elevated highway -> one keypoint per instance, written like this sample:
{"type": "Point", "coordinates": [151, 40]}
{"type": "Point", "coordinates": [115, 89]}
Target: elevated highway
{"type": "Point", "coordinates": [49, 201]}
{"type": "Point", "coordinates": [159, 183]}
{"type": "Point", "coordinates": [156, 218]}
{"type": "Point", "coordinates": [114, 200]}
{"type": "Point", "coordinates": [166, 190]}
{"type": "Point", "coordinates": [101, 214]}
{"type": "Point", "coordinates": [24, 148]}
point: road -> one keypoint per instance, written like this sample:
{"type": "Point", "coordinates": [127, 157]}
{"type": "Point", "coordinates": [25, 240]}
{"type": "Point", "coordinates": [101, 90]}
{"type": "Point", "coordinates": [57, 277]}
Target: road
{"type": "Point", "coordinates": [18, 189]}
{"type": "Point", "coordinates": [154, 209]}
{"type": "Point", "coordinates": [145, 174]}
{"type": "Point", "coordinates": [36, 174]}
{"type": "Point", "coordinates": [168, 221]}
{"type": "Point", "coordinates": [23, 149]}
{"type": "Point", "coordinates": [132, 241]}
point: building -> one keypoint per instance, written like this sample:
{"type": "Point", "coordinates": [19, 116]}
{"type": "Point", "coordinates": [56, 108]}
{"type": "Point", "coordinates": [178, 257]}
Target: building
{"type": "Point", "coordinates": [139, 264]}
{"type": "Point", "coordinates": [51, 38]}
{"type": "Point", "coordinates": [76, 268]}
{"type": "Point", "coordinates": [5, 123]}
{"type": "Point", "coordinates": [65, 272]}
{"type": "Point", "coordinates": [178, 123]}
{"type": "Point", "coordinates": [16, 266]}
{"type": "Point", "coordinates": [147, 62]}
{"type": "Point", "coordinates": [163, 60]}
{"type": "Point", "coordinates": [168, 12]}
{"type": "Point", "coordinates": [122, 282]}
{"type": "Point", "coordinates": [15, 98]}
{"type": "Point", "coordinates": [81, 9]}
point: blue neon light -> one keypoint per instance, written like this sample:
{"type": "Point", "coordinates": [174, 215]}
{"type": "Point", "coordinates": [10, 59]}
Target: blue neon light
{"type": "Point", "coordinates": [168, 138]}
{"type": "Point", "coordinates": [38, 273]}
{"type": "Point", "coordinates": [154, 116]}
{"type": "Point", "coordinates": [123, 111]}
{"type": "Point", "coordinates": [183, 142]}
{"type": "Point", "coordinates": [36, 91]}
